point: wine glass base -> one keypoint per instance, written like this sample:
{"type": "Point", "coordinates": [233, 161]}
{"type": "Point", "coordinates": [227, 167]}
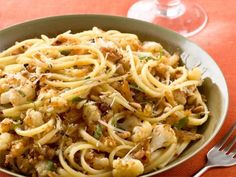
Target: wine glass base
{"type": "Point", "coordinates": [188, 19]}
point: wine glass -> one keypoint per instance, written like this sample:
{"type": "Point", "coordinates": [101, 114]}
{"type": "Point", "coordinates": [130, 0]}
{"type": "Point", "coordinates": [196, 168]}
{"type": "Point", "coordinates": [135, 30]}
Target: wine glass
{"type": "Point", "coordinates": [183, 16]}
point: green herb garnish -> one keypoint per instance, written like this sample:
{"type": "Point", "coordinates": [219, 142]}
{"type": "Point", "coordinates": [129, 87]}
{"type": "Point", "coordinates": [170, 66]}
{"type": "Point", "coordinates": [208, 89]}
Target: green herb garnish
{"type": "Point", "coordinates": [135, 87]}
{"type": "Point", "coordinates": [98, 131]}
{"type": "Point", "coordinates": [146, 57]}
{"type": "Point", "coordinates": [181, 123]}
{"type": "Point", "coordinates": [21, 93]}
{"type": "Point", "coordinates": [16, 124]}
{"type": "Point", "coordinates": [150, 57]}
{"type": "Point", "coordinates": [76, 99]}
{"type": "Point", "coordinates": [50, 166]}
{"type": "Point", "coordinates": [114, 122]}
{"type": "Point", "coordinates": [160, 54]}
{"type": "Point", "coordinates": [65, 52]}
{"type": "Point", "coordinates": [87, 78]}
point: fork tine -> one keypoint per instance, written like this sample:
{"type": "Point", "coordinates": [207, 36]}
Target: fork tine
{"type": "Point", "coordinates": [204, 69]}
{"type": "Point", "coordinates": [233, 153]}
{"type": "Point", "coordinates": [225, 138]}
{"type": "Point", "coordinates": [228, 147]}
{"type": "Point", "coordinates": [184, 56]}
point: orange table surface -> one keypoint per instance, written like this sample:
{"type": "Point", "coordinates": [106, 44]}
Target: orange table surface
{"type": "Point", "coordinates": [218, 38]}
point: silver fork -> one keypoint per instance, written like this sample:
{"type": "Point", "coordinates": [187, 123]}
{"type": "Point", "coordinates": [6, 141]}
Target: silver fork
{"type": "Point", "coordinates": [218, 157]}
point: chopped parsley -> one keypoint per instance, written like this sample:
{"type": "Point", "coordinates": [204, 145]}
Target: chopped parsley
{"type": "Point", "coordinates": [146, 57]}
{"type": "Point", "coordinates": [160, 54]}
{"type": "Point", "coordinates": [50, 166]}
{"type": "Point", "coordinates": [150, 57]}
{"type": "Point", "coordinates": [114, 122]}
{"type": "Point", "coordinates": [65, 52]}
{"type": "Point", "coordinates": [135, 87]}
{"type": "Point", "coordinates": [15, 125]}
{"type": "Point", "coordinates": [98, 132]}
{"type": "Point", "coordinates": [181, 123]}
{"type": "Point", "coordinates": [87, 78]}
{"type": "Point", "coordinates": [76, 99]}
{"type": "Point", "coordinates": [21, 93]}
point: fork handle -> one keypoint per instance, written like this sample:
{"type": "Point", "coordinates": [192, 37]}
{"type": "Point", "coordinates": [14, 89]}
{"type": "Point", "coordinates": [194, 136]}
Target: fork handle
{"type": "Point", "coordinates": [200, 172]}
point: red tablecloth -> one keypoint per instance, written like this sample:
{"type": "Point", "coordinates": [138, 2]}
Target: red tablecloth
{"type": "Point", "coordinates": [218, 39]}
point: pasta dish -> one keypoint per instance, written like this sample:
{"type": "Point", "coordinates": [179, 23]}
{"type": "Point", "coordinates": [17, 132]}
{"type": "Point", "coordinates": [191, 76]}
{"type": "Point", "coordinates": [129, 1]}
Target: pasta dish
{"type": "Point", "coordinates": [95, 104]}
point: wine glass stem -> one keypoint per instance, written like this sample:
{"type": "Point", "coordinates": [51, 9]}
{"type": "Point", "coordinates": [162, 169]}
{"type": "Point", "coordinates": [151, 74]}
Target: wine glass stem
{"type": "Point", "coordinates": [168, 2]}
{"type": "Point", "coordinates": [170, 8]}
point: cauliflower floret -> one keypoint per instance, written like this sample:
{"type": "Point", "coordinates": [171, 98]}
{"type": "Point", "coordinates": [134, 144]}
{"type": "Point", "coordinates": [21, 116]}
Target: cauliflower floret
{"type": "Point", "coordinates": [29, 90]}
{"type": "Point", "coordinates": [44, 167]}
{"type": "Point", "coordinates": [109, 141]}
{"type": "Point", "coordinates": [129, 123]}
{"type": "Point", "coordinates": [6, 125]}
{"type": "Point", "coordinates": [127, 167]}
{"type": "Point", "coordinates": [18, 147]}
{"type": "Point", "coordinates": [59, 104]}
{"type": "Point", "coordinates": [132, 41]}
{"type": "Point", "coordinates": [33, 118]}
{"type": "Point", "coordinates": [151, 46]}
{"type": "Point", "coordinates": [172, 60]}
{"type": "Point", "coordinates": [46, 93]}
{"type": "Point", "coordinates": [15, 97]}
{"type": "Point", "coordinates": [141, 132]}
{"type": "Point", "coordinates": [162, 136]}
{"type": "Point", "coordinates": [180, 97]}
{"type": "Point", "coordinates": [101, 163]}
{"type": "Point", "coordinates": [5, 140]}
{"type": "Point", "coordinates": [58, 101]}
{"type": "Point", "coordinates": [91, 113]}
{"type": "Point", "coordinates": [20, 94]}
{"type": "Point", "coordinates": [98, 161]}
